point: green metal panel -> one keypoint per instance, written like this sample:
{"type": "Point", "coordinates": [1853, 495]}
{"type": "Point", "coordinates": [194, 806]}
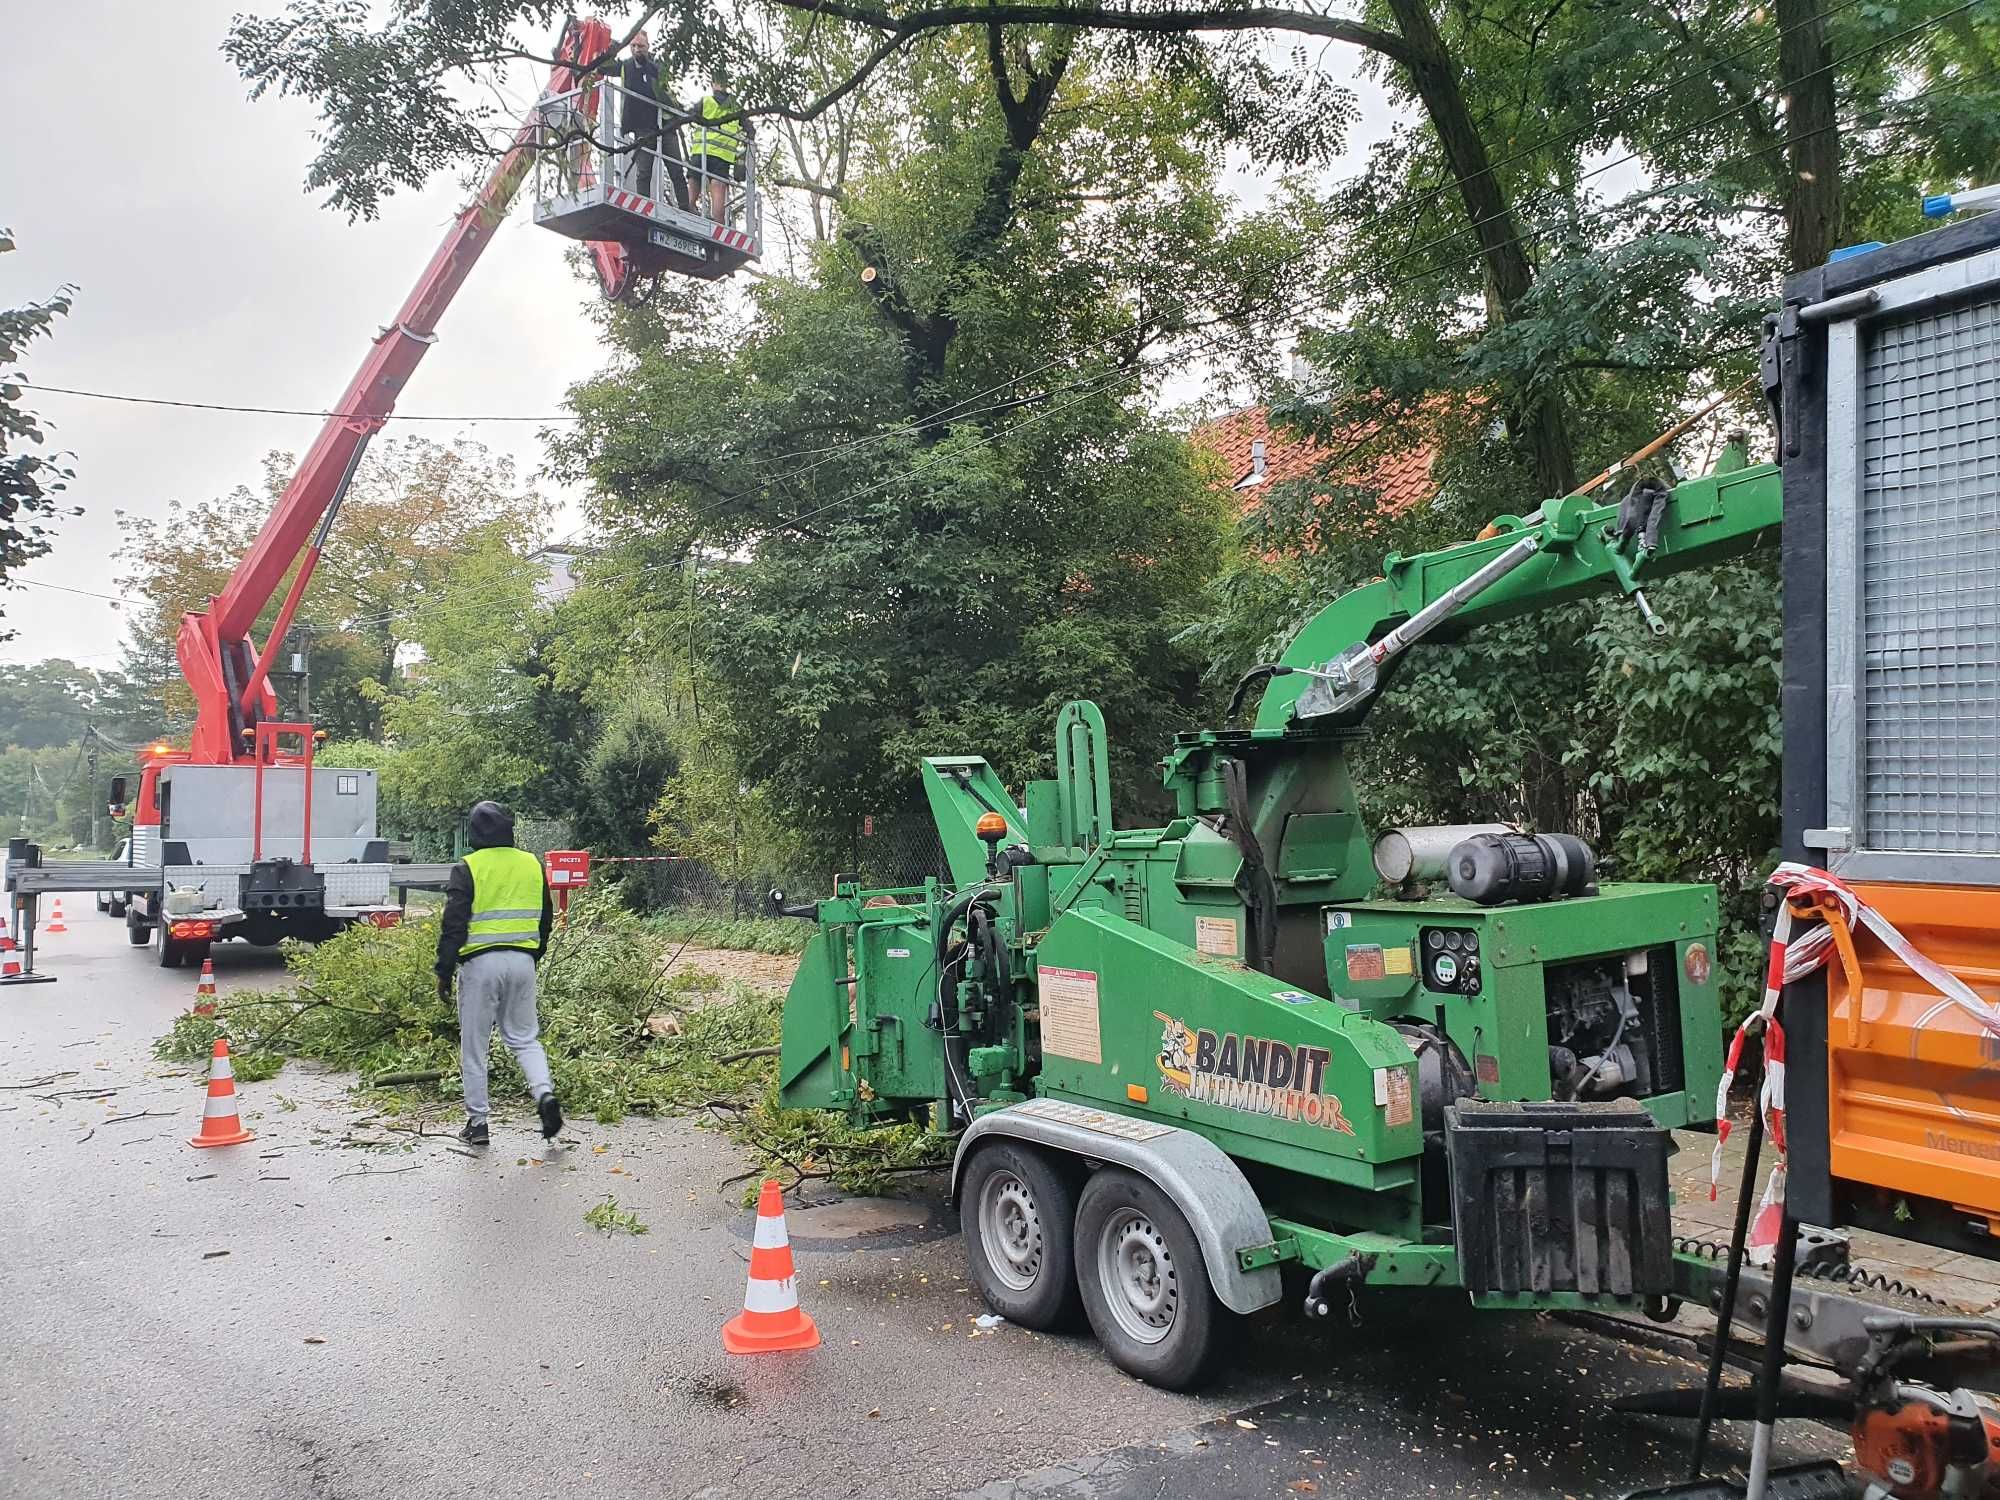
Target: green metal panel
{"type": "Point", "coordinates": [1709, 520]}
{"type": "Point", "coordinates": [959, 789]}
{"type": "Point", "coordinates": [1083, 776]}
{"type": "Point", "coordinates": [1374, 966]}
{"type": "Point", "coordinates": [1137, 1023]}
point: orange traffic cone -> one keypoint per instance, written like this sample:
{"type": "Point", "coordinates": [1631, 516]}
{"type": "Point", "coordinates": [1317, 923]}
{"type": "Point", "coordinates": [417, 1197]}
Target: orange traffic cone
{"type": "Point", "coordinates": [55, 919]}
{"type": "Point", "coordinates": [204, 992]}
{"type": "Point", "coordinates": [220, 1125]}
{"type": "Point", "coordinates": [10, 958]}
{"type": "Point", "coordinates": [771, 1317]}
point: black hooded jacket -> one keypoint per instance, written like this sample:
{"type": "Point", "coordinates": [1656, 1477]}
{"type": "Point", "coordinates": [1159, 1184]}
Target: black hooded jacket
{"type": "Point", "coordinates": [491, 826]}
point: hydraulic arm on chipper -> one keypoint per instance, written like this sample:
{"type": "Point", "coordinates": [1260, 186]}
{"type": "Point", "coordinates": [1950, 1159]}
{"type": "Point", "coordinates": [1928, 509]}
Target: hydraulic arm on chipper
{"type": "Point", "coordinates": [1270, 1066]}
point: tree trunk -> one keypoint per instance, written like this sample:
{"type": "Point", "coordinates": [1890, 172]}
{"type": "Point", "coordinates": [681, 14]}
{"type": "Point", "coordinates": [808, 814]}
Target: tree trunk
{"type": "Point", "coordinates": [1540, 422]}
{"type": "Point", "coordinates": [1812, 196]}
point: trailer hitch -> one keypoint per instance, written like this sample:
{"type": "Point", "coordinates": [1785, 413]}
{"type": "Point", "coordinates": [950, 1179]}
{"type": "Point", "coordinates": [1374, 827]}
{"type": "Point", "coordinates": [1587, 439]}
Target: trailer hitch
{"type": "Point", "coordinates": [1351, 1272]}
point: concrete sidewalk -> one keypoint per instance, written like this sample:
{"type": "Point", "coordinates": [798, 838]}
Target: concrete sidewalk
{"type": "Point", "coordinates": [1967, 1282]}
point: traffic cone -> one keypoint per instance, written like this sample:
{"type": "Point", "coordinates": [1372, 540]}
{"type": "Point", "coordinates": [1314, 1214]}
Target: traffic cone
{"type": "Point", "coordinates": [55, 919]}
{"type": "Point", "coordinates": [204, 992]}
{"type": "Point", "coordinates": [771, 1317]}
{"type": "Point", "coordinates": [219, 1123]}
{"type": "Point", "coordinates": [10, 958]}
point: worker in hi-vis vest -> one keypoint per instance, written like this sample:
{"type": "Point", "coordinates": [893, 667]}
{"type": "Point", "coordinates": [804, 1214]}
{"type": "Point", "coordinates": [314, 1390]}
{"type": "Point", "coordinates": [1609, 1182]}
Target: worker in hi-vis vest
{"type": "Point", "coordinates": [497, 915]}
{"type": "Point", "coordinates": [718, 152]}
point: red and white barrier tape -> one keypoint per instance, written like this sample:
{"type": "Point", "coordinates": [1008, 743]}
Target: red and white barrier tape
{"type": "Point", "coordinates": [1792, 961]}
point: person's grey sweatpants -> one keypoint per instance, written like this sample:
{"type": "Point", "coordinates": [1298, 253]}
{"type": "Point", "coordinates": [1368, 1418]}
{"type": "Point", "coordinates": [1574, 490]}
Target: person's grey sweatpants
{"type": "Point", "coordinates": [497, 988]}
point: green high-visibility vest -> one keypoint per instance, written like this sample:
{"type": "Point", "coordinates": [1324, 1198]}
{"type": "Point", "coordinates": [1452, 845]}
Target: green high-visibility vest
{"type": "Point", "coordinates": [719, 141]}
{"type": "Point", "coordinates": [507, 886]}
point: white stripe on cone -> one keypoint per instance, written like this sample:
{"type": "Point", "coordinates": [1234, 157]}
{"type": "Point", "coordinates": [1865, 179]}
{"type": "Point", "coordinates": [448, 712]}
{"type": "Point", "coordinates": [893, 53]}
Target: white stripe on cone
{"type": "Point", "coordinates": [220, 1068]}
{"type": "Point", "coordinates": [219, 1106]}
{"type": "Point", "coordinates": [771, 1296]}
{"type": "Point", "coordinates": [770, 1233]}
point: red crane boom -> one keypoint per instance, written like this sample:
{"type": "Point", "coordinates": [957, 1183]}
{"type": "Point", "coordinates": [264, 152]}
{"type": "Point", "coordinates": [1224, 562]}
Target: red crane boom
{"type": "Point", "coordinates": [229, 677]}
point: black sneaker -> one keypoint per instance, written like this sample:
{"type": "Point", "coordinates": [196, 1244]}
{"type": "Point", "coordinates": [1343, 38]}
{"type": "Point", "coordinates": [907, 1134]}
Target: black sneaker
{"type": "Point", "coordinates": [551, 1113]}
{"type": "Point", "coordinates": [474, 1134]}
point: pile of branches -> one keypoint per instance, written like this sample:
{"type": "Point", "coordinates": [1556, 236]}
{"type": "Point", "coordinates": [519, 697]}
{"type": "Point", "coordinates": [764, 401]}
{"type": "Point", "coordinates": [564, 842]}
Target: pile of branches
{"type": "Point", "coordinates": [625, 1030]}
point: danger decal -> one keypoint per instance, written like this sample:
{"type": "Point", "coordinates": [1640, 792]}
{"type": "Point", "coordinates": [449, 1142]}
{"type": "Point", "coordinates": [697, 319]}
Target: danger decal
{"type": "Point", "coordinates": [1248, 1073]}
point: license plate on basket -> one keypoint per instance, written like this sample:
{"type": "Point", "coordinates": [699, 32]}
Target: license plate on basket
{"type": "Point", "coordinates": [667, 240]}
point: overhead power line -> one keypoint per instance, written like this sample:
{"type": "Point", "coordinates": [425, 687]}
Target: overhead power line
{"type": "Point", "coordinates": [276, 411]}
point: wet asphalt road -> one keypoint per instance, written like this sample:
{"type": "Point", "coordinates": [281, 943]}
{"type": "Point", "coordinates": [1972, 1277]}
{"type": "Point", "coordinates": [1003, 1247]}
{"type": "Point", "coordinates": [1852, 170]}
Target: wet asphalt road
{"type": "Point", "coordinates": [420, 1323]}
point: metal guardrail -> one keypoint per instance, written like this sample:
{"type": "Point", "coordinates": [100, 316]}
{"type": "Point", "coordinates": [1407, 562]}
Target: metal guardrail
{"type": "Point", "coordinates": [73, 876]}
{"type": "Point", "coordinates": [81, 875]}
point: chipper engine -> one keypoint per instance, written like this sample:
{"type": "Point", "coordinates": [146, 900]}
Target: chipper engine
{"type": "Point", "coordinates": [1180, 1058]}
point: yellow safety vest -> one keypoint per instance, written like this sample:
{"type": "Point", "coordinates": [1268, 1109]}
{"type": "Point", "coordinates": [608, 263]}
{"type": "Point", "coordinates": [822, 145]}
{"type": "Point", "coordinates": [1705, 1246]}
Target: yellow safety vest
{"type": "Point", "coordinates": [507, 885]}
{"type": "Point", "coordinates": [719, 141]}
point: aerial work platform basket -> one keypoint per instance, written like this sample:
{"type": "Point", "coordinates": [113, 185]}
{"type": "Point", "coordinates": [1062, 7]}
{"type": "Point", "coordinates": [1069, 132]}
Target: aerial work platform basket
{"type": "Point", "coordinates": [595, 181]}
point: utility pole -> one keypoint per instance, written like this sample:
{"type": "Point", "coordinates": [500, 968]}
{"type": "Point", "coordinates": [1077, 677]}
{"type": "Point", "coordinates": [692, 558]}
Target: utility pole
{"type": "Point", "coordinates": [92, 787]}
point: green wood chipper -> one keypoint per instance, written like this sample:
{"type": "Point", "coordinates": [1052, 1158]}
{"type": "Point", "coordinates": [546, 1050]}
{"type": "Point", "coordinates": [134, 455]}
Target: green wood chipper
{"type": "Point", "coordinates": [1179, 1058]}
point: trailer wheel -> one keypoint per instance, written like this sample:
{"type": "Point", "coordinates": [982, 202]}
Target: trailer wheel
{"type": "Point", "coordinates": [1017, 1212]}
{"type": "Point", "coordinates": [1144, 1284]}
{"type": "Point", "coordinates": [168, 949]}
{"type": "Point", "coordinates": [115, 905]}
{"type": "Point", "coordinates": [138, 934]}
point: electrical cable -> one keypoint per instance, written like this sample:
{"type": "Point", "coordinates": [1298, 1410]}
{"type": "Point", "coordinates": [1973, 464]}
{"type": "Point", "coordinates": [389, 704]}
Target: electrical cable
{"type": "Point", "coordinates": [1602, 118]}
{"type": "Point", "coordinates": [1947, 88]}
{"type": "Point", "coordinates": [276, 411]}
{"type": "Point", "coordinates": [1903, 35]}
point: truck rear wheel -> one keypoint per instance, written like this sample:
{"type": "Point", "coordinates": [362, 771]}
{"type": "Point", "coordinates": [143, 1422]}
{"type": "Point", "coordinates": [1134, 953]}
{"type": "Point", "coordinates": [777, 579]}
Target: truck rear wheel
{"type": "Point", "coordinates": [1018, 1212]}
{"type": "Point", "coordinates": [168, 950]}
{"type": "Point", "coordinates": [1145, 1287]}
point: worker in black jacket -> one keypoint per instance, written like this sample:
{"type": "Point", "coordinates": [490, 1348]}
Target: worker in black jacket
{"type": "Point", "coordinates": [497, 915]}
{"type": "Point", "coordinates": [639, 120]}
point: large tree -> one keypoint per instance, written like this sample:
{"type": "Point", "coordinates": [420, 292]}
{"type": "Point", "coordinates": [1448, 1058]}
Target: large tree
{"type": "Point", "coordinates": [910, 506]}
{"type": "Point", "coordinates": [31, 480]}
{"type": "Point", "coordinates": [414, 507]}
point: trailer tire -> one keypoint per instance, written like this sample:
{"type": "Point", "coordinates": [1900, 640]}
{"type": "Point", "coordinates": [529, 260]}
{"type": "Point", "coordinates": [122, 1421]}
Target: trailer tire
{"type": "Point", "coordinates": [1145, 1286]}
{"type": "Point", "coordinates": [169, 951]}
{"type": "Point", "coordinates": [137, 933]}
{"type": "Point", "coordinates": [1018, 1213]}
{"type": "Point", "coordinates": [115, 905]}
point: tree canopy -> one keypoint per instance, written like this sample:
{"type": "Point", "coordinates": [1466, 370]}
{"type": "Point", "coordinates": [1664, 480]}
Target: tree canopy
{"type": "Point", "coordinates": [31, 479]}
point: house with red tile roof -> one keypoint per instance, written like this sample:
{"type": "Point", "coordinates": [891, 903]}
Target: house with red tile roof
{"type": "Point", "coordinates": [1253, 456]}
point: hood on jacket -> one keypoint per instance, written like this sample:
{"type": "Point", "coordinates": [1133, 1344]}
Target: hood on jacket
{"type": "Point", "coordinates": [491, 826]}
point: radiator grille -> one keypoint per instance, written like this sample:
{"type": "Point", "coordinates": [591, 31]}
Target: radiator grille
{"type": "Point", "coordinates": [1929, 702]}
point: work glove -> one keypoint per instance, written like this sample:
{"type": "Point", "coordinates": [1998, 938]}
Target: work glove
{"type": "Point", "coordinates": [444, 989]}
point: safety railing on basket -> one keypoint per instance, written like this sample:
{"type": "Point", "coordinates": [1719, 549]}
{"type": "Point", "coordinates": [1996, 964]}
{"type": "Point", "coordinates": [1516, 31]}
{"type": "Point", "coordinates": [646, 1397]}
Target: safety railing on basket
{"type": "Point", "coordinates": [603, 136]}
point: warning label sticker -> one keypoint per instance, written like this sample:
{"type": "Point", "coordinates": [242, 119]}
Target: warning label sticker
{"type": "Point", "coordinates": [1217, 935]}
{"type": "Point", "coordinates": [1364, 962]}
{"type": "Point", "coordinates": [1069, 1014]}
{"type": "Point", "coordinates": [1396, 960]}
{"type": "Point", "coordinates": [1396, 1107]}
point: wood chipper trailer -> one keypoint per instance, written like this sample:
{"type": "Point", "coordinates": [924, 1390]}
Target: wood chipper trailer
{"type": "Point", "coordinates": [1181, 1060]}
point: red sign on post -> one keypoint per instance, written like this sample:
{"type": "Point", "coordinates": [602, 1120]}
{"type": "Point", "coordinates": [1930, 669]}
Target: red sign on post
{"type": "Point", "coordinates": [568, 870]}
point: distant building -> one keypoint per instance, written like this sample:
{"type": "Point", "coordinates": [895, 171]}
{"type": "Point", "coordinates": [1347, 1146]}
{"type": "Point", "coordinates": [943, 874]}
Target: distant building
{"type": "Point", "coordinates": [1253, 455]}
{"type": "Point", "coordinates": [558, 571]}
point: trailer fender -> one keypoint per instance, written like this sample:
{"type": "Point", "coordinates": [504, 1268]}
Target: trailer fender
{"type": "Point", "coordinates": [1204, 1183]}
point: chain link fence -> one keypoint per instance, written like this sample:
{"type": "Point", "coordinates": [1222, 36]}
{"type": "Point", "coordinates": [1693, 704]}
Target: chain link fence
{"type": "Point", "coordinates": [432, 846]}
{"type": "Point", "coordinates": [879, 854]}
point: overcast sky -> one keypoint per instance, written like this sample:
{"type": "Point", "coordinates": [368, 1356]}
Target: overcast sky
{"type": "Point", "coordinates": [204, 273]}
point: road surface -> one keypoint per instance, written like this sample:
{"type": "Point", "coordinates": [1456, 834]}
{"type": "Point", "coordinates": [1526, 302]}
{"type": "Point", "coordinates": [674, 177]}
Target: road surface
{"type": "Point", "coordinates": [298, 1317]}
